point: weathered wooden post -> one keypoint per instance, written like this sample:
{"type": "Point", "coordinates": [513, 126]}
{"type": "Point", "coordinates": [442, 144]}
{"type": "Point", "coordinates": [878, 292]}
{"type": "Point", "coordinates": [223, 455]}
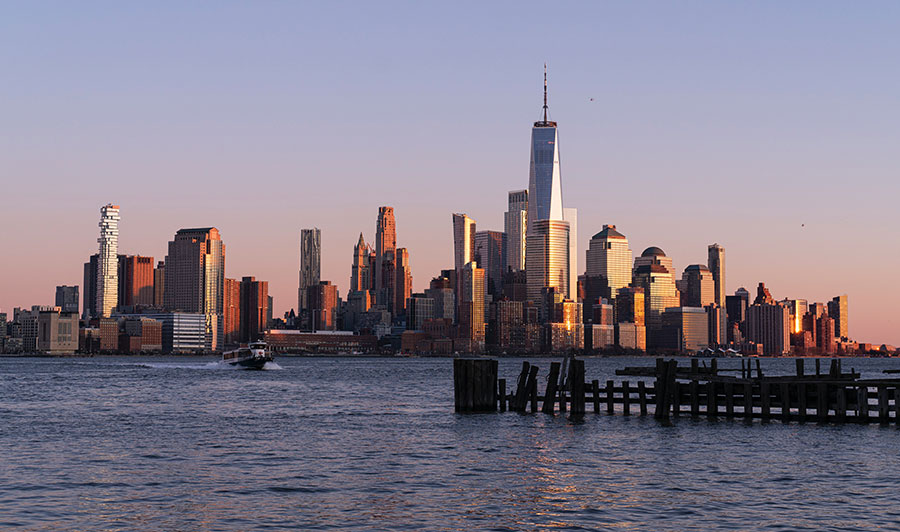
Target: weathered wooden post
{"type": "Point", "coordinates": [883, 409]}
{"type": "Point", "coordinates": [518, 402]}
{"type": "Point", "coordinates": [785, 402]}
{"type": "Point", "coordinates": [800, 366]}
{"type": "Point", "coordinates": [862, 394]}
{"type": "Point", "coordinates": [626, 399]}
{"type": "Point", "coordinates": [642, 397]}
{"type": "Point", "coordinates": [576, 383]}
{"type": "Point", "coordinates": [659, 389]}
{"type": "Point", "coordinates": [595, 385]}
{"type": "Point", "coordinates": [502, 385]}
{"type": "Point", "coordinates": [748, 398]}
{"type": "Point", "coordinates": [822, 401]}
{"type": "Point", "coordinates": [475, 385]}
{"type": "Point", "coordinates": [531, 390]}
{"type": "Point", "coordinates": [610, 397]}
{"type": "Point", "coordinates": [550, 394]}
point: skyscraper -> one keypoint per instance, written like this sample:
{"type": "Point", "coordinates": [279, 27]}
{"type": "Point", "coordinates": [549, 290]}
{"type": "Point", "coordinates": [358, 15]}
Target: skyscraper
{"type": "Point", "coordinates": [310, 263]}
{"type": "Point", "coordinates": [232, 311]}
{"type": "Point", "coordinates": [653, 272]}
{"type": "Point", "coordinates": [136, 281]}
{"type": "Point", "coordinates": [89, 288]}
{"type": "Point", "coordinates": [570, 215]}
{"type": "Point", "coordinates": [544, 182]}
{"type": "Point", "coordinates": [463, 241]}
{"type": "Point", "coordinates": [609, 257]}
{"type": "Point", "coordinates": [195, 279]}
{"type": "Point", "coordinates": [402, 281]}
{"type": "Point", "coordinates": [716, 265]}
{"type": "Point", "coordinates": [700, 286]}
{"type": "Point", "coordinates": [360, 273]}
{"type": "Point", "coordinates": [838, 311]}
{"type": "Point", "coordinates": [515, 225]}
{"type": "Point", "coordinates": [547, 258]}
{"type": "Point", "coordinates": [385, 246]}
{"type": "Point", "coordinates": [108, 261]}
{"type": "Point", "coordinates": [67, 298]}
{"type": "Point", "coordinates": [490, 256]}
{"type": "Point", "coordinates": [254, 308]}
{"type": "Point", "coordinates": [323, 303]}
{"type": "Point", "coordinates": [159, 284]}
{"type": "Point", "coordinates": [471, 310]}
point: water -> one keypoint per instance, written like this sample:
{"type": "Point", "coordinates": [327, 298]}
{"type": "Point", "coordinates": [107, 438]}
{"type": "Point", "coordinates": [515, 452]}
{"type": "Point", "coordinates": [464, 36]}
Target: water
{"type": "Point", "coordinates": [184, 443]}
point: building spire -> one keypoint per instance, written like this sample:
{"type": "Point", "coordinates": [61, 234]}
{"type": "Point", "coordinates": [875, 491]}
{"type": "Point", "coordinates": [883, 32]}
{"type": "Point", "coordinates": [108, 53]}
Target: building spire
{"type": "Point", "coordinates": [545, 92]}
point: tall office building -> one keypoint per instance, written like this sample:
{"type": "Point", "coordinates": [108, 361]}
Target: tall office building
{"type": "Point", "coordinates": [402, 281]}
{"type": "Point", "coordinates": [570, 215]}
{"type": "Point", "coordinates": [310, 263]}
{"type": "Point", "coordinates": [700, 288]}
{"type": "Point", "coordinates": [67, 298]}
{"type": "Point", "coordinates": [769, 324]}
{"type": "Point", "coordinates": [547, 258]}
{"type": "Point", "coordinates": [195, 279]}
{"type": "Point", "coordinates": [471, 309]}
{"type": "Point", "coordinates": [323, 306]}
{"type": "Point", "coordinates": [545, 200]}
{"type": "Point", "coordinates": [653, 272]}
{"type": "Point", "coordinates": [254, 308]}
{"type": "Point", "coordinates": [360, 272]}
{"type": "Point", "coordinates": [108, 261]}
{"type": "Point", "coordinates": [490, 256]}
{"type": "Point", "coordinates": [463, 241]}
{"type": "Point", "coordinates": [135, 281]}
{"type": "Point", "coordinates": [89, 287]}
{"type": "Point", "coordinates": [159, 284]}
{"type": "Point", "coordinates": [232, 312]}
{"type": "Point", "coordinates": [385, 247]}
{"type": "Point", "coordinates": [609, 257]}
{"type": "Point", "coordinates": [716, 265]}
{"type": "Point", "coordinates": [515, 225]}
{"type": "Point", "coordinates": [837, 310]}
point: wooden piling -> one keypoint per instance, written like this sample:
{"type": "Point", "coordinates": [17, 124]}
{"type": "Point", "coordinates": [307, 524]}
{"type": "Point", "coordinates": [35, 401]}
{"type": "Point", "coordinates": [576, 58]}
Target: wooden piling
{"type": "Point", "coordinates": [695, 398]}
{"type": "Point", "coordinates": [883, 407]}
{"type": "Point", "coordinates": [801, 401]}
{"type": "Point", "coordinates": [840, 411]}
{"type": "Point", "coordinates": [642, 397]}
{"type": "Point", "coordinates": [759, 372]}
{"type": "Point", "coordinates": [748, 400]}
{"type": "Point", "coordinates": [729, 399]}
{"type": "Point", "coordinates": [785, 402]}
{"type": "Point", "coordinates": [862, 402]}
{"type": "Point", "coordinates": [576, 385]}
{"type": "Point", "coordinates": [626, 399]}
{"type": "Point", "coordinates": [659, 388]}
{"type": "Point", "coordinates": [531, 390]}
{"type": "Point", "coordinates": [818, 368]}
{"type": "Point", "coordinates": [474, 385]}
{"type": "Point", "coordinates": [800, 366]}
{"type": "Point", "coordinates": [712, 409]}
{"type": "Point", "coordinates": [595, 385]}
{"type": "Point", "coordinates": [765, 398]}
{"type": "Point", "coordinates": [550, 394]}
{"type": "Point", "coordinates": [502, 393]}
{"type": "Point", "coordinates": [610, 399]}
{"type": "Point", "coordinates": [822, 401]}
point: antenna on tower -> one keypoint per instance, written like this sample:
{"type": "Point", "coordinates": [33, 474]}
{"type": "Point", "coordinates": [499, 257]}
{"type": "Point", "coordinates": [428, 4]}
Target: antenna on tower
{"type": "Point", "coordinates": [545, 92]}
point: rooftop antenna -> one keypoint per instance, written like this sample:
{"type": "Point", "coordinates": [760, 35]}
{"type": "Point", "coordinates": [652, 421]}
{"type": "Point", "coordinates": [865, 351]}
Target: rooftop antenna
{"type": "Point", "coordinates": [545, 92]}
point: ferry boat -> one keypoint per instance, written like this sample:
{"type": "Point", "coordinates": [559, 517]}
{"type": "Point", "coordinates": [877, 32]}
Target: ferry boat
{"type": "Point", "coordinates": [254, 356]}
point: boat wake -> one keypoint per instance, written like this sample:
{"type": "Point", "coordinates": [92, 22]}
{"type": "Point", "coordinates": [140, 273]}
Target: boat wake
{"type": "Point", "coordinates": [272, 366]}
{"type": "Point", "coordinates": [180, 365]}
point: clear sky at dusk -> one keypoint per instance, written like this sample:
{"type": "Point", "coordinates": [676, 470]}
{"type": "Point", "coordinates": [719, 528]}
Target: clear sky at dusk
{"type": "Point", "coordinates": [682, 123]}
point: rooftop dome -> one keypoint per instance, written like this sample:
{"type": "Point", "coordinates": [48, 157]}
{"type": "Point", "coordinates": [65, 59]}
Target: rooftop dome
{"type": "Point", "coordinates": [653, 251]}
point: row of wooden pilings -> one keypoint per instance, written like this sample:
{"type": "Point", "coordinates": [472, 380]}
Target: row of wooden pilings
{"type": "Point", "coordinates": [694, 390]}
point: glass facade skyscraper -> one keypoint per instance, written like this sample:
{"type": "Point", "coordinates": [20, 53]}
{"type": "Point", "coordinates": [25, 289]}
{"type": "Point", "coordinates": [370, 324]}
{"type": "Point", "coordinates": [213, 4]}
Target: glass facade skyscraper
{"type": "Point", "coordinates": [547, 258]}
{"type": "Point", "coordinates": [515, 225]}
{"type": "Point", "coordinates": [545, 200]}
{"type": "Point", "coordinates": [610, 257]}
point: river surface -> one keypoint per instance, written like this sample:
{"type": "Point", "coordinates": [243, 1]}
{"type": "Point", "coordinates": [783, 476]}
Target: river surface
{"type": "Point", "coordinates": [181, 443]}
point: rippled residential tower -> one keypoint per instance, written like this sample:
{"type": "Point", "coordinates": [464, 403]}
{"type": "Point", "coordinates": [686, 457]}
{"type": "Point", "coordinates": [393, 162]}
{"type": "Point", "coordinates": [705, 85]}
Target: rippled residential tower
{"type": "Point", "coordinates": [108, 261]}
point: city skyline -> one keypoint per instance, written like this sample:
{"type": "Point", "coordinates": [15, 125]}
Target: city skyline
{"type": "Point", "coordinates": [767, 184]}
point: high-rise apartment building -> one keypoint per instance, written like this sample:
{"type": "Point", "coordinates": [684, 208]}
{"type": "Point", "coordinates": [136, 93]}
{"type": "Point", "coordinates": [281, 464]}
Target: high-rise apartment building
{"type": "Point", "coordinates": [700, 288]}
{"type": "Point", "coordinates": [195, 278]}
{"type": "Point", "coordinates": [837, 310]}
{"type": "Point", "coordinates": [385, 247]}
{"type": "Point", "coordinates": [254, 308]}
{"type": "Point", "coordinates": [310, 263]}
{"type": "Point", "coordinates": [515, 225]}
{"type": "Point", "coordinates": [716, 265]}
{"type": "Point", "coordinates": [108, 260]}
{"type": "Point", "coordinates": [609, 258]}
{"type": "Point", "coordinates": [420, 308]}
{"type": "Point", "coordinates": [67, 298]}
{"type": "Point", "coordinates": [545, 200]}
